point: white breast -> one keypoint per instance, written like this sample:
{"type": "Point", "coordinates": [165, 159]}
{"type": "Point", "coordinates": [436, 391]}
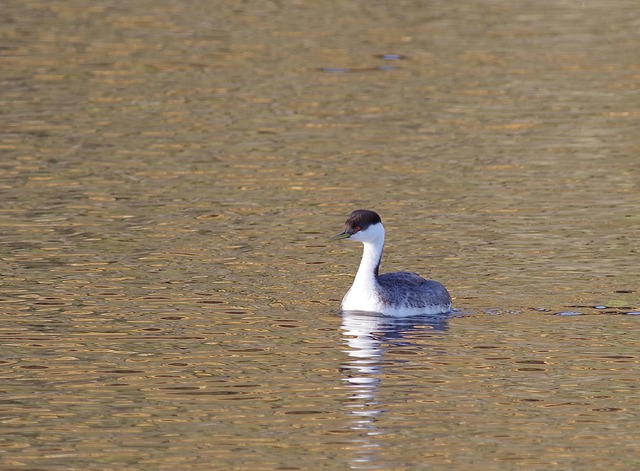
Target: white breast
{"type": "Point", "coordinates": [361, 298]}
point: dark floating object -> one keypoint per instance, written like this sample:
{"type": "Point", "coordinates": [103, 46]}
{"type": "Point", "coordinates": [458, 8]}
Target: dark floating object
{"type": "Point", "coordinates": [344, 70]}
{"type": "Point", "coordinates": [391, 57]}
{"type": "Point", "coordinates": [494, 311]}
{"type": "Point", "coordinates": [385, 57]}
{"type": "Point", "coordinates": [335, 69]}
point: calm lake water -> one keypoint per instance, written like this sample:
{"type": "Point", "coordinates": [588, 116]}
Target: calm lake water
{"type": "Point", "coordinates": [170, 173]}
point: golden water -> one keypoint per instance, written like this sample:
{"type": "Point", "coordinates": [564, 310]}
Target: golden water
{"type": "Point", "coordinates": [170, 173]}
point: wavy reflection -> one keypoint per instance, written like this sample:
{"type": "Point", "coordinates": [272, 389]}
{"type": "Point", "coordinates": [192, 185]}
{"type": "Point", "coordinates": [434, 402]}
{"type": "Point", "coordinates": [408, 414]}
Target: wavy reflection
{"type": "Point", "coordinates": [368, 336]}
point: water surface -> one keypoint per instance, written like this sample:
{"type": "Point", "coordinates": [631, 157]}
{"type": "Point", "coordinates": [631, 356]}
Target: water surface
{"type": "Point", "coordinates": [170, 174]}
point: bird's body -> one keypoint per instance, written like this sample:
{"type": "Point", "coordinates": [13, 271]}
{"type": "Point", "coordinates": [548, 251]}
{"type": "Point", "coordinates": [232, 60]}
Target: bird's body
{"type": "Point", "coordinates": [391, 294]}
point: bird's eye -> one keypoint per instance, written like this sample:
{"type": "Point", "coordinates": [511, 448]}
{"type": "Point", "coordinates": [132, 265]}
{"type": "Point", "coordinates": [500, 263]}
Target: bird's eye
{"type": "Point", "coordinates": [357, 228]}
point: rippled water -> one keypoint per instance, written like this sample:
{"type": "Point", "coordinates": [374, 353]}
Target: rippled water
{"type": "Point", "coordinates": [170, 174]}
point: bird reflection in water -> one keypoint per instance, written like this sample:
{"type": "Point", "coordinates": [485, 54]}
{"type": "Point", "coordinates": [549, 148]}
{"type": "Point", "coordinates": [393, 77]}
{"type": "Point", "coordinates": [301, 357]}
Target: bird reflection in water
{"type": "Point", "coordinates": [368, 336]}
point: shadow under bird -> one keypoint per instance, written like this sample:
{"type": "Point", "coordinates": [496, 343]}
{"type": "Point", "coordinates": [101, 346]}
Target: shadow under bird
{"type": "Point", "coordinates": [392, 294]}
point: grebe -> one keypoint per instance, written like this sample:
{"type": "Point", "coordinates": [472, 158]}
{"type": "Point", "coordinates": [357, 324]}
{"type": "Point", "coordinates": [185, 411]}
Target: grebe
{"type": "Point", "coordinates": [392, 294]}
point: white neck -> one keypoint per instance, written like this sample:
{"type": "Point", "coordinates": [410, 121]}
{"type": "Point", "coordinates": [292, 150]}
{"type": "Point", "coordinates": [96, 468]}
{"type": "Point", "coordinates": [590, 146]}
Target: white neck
{"type": "Point", "coordinates": [366, 277]}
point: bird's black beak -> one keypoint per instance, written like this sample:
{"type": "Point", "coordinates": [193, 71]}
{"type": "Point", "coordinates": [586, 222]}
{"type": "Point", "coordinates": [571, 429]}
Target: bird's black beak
{"type": "Point", "coordinates": [342, 235]}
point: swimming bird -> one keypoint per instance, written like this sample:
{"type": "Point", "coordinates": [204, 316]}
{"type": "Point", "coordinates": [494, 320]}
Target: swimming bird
{"type": "Point", "coordinates": [392, 294]}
